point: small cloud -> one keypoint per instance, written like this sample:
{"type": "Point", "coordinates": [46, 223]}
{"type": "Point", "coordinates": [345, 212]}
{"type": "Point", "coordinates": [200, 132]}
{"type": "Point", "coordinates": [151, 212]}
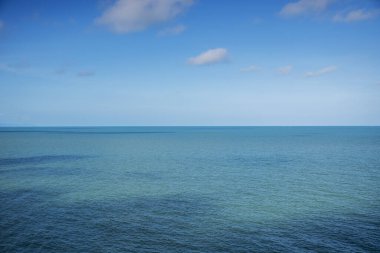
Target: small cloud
{"type": "Point", "coordinates": [356, 15]}
{"type": "Point", "coordinates": [175, 30]}
{"type": "Point", "coordinates": [252, 68]}
{"type": "Point", "coordinates": [85, 73]}
{"type": "Point", "coordinates": [126, 16]}
{"type": "Point", "coordinates": [285, 69]}
{"type": "Point", "coordinates": [322, 71]}
{"type": "Point", "coordinates": [211, 56]}
{"type": "Point", "coordinates": [302, 7]}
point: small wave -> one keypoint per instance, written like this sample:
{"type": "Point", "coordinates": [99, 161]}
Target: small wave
{"type": "Point", "coordinates": [38, 159]}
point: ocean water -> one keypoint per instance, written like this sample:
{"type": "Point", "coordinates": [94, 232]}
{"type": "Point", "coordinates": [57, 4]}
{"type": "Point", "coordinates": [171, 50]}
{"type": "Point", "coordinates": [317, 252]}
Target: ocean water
{"type": "Point", "coordinates": [190, 189]}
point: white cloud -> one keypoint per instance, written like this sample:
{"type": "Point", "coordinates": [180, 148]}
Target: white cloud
{"type": "Point", "coordinates": [252, 68]}
{"type": "Point", "coordinates": [209, 57]}
{"type": "Point", "coordinates": [320, 72]}
{"type": "Point", "coordinates": [304, 7]}
{"type": "Point", "coordinates": [285, 69]}
{"type": "Point", "coordinates": [134, 15]}
{"type": "Point", "coordinates": [356, 15]}
{"type": "Point", "coordinates": [175, 30]}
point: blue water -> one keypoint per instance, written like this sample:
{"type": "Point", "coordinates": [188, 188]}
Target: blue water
{"type": "Point", "coordinates": [190, 189]}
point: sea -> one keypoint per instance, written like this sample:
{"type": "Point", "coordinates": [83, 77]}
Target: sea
{"type": "Point", "coordinates": [190, 189]}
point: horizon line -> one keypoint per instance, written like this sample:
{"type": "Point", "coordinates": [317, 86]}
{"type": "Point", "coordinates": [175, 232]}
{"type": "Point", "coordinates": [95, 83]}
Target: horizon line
{"type": "Point", "coordinates": [83, 126]}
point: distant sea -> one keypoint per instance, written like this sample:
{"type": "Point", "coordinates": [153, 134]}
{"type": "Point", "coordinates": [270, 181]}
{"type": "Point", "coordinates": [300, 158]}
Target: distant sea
{"type": "Point", "coordinates": [190, 189]}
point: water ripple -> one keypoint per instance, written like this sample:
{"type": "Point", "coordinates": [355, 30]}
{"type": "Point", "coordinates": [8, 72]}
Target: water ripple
{"type": "Point", "coordinates": [39, 159]}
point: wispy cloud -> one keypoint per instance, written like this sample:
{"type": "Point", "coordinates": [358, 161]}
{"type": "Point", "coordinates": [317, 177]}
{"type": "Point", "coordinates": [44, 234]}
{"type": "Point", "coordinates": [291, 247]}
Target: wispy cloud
{"type": "Point", "coordinates": [285, 69]}
{"type": "Point", "coordinates": [321, 71]}
{"type": "Point", "coordinates": [22, 68]}
{"type": "Point", "coordinates": [17, 67]}
{"type": "Point", "coordinates": [252, 68]}
{"type": "Point", "coordinates": [211, 56]}
{"type": "Point", "coordinates": [85, 73]}
{"type": "Point", "coordinates": [175, 30]}
{"type": "Point", "coordinates": [20, 65]}
{"type": "Point", "coordinates": [304, 7]}
{"type": "Point", "coordinates": [356, 15]}
{"type": "Point", "coordinates": [6, 68]}
{"type": "Point", "coordinates": [126, 16]}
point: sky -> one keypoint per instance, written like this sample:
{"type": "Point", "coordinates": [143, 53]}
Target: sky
{"type": "Point", "coordinates": [189, 62]}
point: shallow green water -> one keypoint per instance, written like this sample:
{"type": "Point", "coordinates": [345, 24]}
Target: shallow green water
{"type": "Point", "coordinates": [190, 189]}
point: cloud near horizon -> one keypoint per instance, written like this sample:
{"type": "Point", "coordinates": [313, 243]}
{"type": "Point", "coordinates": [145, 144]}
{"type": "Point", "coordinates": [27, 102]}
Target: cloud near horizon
{"type": "Point", "coordinates": [356, 15]}
{"type": "Point", "coordinates": [321, 71]}
{"type": "Point", "coordinates": [211, 56]}
{"type": "Point", "coordinates": [304, 7]}
{"type": "Point", "coordinates": [126, 16]}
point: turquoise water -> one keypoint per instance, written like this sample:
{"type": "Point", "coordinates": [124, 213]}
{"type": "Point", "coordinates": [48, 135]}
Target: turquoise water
{"type": "Point", "coordinates": [190, 189]}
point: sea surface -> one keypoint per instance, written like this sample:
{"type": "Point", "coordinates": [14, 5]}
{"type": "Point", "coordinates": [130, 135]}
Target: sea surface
{"type": "Point", "coordinates": [190, 189]}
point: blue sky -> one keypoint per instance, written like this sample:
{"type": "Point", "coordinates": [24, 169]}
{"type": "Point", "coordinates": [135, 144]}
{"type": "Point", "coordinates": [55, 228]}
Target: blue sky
{"type": "Point", "coordinates": [184, 62]}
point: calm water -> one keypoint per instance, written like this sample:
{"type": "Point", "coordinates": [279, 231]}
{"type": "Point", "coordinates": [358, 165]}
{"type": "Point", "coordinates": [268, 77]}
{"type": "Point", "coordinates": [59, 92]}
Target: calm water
{"type": "Point", "coordinates": [168, 189]}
